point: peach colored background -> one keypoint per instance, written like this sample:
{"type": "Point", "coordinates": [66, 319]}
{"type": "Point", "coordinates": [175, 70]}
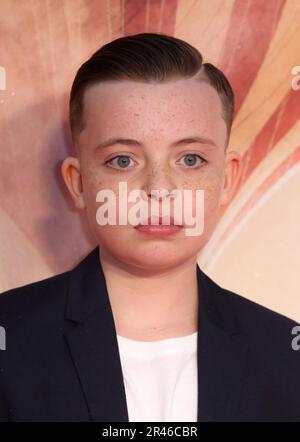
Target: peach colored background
{"type": "Point", "coordinates": [255, 249]}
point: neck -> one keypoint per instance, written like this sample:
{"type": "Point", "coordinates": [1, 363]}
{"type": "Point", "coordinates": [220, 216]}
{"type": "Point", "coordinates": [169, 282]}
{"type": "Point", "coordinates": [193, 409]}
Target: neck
{"type": "Point", "coordinates": [152, 306]}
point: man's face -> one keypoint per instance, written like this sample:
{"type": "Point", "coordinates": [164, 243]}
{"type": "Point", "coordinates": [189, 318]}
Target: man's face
{"type": "Point", "coordinates": [156, 116]}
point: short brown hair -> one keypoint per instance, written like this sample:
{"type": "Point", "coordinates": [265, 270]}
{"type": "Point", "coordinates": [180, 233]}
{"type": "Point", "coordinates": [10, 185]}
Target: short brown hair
{"type": "Point", "coordinates": [148, 57]}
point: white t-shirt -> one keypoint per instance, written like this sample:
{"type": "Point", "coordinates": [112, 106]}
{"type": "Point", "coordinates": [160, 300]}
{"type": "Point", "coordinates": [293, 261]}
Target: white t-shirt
{"type": "Point", "coordinates": [160, 379]}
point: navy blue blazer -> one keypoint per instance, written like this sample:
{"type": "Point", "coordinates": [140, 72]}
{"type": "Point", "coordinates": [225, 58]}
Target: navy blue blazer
{"type": "Point", "coordinates": [62, 361]}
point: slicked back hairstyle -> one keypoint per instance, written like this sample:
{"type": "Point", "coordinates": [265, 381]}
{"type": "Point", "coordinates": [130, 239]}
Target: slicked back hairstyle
{"type": "Point", "coordinates": [146, 57]}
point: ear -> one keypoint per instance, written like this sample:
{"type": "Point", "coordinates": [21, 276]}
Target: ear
{"type": "Point", "coordinates": [71, 173]}
{"type": "Point", "coordinates": [233, 172]}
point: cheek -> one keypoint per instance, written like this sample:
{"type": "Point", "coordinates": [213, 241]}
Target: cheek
{"type": "Point", "coordinates": [212, 195]}
{"type": "Point", "coordinates": [93, 182]}
{"type": "Point", "coordinates": [210, 182]}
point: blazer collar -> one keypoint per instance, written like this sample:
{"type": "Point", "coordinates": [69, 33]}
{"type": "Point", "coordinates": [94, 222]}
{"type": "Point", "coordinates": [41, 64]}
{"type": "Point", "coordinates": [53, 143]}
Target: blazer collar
{"type": "Point", "coordinates": [91, 337]}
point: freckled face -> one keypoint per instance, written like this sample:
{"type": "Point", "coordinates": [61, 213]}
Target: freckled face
{"type": "Point", "coordinates": [157, 116]}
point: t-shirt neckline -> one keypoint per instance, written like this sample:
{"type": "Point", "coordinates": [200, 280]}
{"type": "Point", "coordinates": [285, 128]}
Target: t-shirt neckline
{"type": "Point", "coordinates": [180, 344]}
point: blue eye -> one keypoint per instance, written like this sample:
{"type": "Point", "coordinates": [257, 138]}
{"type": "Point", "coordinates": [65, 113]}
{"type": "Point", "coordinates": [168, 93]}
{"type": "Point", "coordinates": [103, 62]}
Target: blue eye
{"type": "Point", "coordinates": [191, 159]}
{"type": "Point", "coordinates": [122, 162]}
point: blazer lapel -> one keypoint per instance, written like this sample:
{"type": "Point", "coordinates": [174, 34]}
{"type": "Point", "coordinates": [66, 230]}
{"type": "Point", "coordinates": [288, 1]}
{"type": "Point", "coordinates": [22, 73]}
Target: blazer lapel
{"type": "Point", "coordinates": [91, 338]}
{"type": "Point", "coordinates": [222, 352]}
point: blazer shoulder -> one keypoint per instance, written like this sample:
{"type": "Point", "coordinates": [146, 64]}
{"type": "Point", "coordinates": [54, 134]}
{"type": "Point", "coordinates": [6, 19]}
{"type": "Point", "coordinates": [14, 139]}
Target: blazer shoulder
{"type": "Point", "coordinates": [251, 312]}
{"type": "Point", "coordinates": [34, 298]}
{"type": "Point", "coordinates": [270, 334]}
{"type": "Point", "coordinates": [253, 318]}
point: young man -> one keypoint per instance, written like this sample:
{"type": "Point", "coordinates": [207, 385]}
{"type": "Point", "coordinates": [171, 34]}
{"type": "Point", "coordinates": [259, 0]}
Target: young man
{"type": "Point", "coordinates": [137, 331]}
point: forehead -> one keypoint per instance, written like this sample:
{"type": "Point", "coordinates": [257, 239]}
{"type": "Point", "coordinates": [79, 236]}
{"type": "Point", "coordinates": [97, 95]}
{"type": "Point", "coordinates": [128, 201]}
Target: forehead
{"type": "Point", "coordinates": [164, 110]}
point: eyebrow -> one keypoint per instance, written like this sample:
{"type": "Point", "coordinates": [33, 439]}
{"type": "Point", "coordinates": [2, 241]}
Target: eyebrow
{"type": "Point", "coordinates": [136, 143]}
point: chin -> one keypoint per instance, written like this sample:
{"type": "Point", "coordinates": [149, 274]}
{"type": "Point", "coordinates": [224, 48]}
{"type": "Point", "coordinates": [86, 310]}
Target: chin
{"type": "Point", "coordinates": [148, 253]}
{"type": "Point", "coordinates": [157, 256]}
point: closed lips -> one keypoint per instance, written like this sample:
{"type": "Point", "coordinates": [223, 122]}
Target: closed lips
{"type": "Point", "coordinates": [163, 221]}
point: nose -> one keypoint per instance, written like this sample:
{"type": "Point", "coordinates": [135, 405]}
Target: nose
{"type": "Point", "coordinates": [158, 184]}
